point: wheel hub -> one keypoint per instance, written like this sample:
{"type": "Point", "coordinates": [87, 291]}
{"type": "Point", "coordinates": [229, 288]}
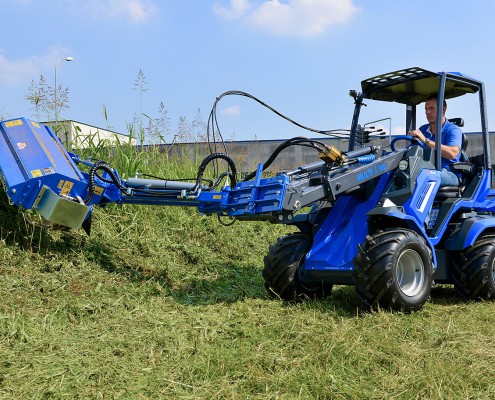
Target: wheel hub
{"type": "Point", "coordinates": [410, 273]}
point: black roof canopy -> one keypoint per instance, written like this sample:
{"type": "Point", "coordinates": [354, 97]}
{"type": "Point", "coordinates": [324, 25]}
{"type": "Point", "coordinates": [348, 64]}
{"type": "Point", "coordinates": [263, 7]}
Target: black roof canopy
{"type": "Point", "coordinates": [414, 85]}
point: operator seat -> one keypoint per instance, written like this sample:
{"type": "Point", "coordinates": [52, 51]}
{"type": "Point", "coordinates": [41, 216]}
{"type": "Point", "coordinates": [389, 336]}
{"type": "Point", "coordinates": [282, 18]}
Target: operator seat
{"type": "Point", "coordinates": [463, 166]}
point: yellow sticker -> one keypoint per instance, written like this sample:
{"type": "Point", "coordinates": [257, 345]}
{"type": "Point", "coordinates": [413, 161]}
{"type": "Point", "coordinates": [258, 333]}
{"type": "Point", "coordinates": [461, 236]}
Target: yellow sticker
{"type": "Point", "coordinates": [217, 197]}
{"type": "Point", "coordinates": [60, 184]}
{"type": "Point", "coordinates": [16, 122]}
{"type": "Point", "coordinates": [35, 124]}
{"type": "Point", "coordinates": [66, 188]}
{"type": "Point", "coordinates": [98, 190]}
{"type": "Point", "coordinates": [36, 173]}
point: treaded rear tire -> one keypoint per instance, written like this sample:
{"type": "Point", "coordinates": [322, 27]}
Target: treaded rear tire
{"type": "Point", "coordinates": [281, 272]}
{"type": "Point", "coordinates": [473, 270]}
{"type": "Point", "coordinates": [393, 270]}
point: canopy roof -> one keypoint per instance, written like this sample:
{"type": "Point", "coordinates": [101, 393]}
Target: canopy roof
{"type": "Point", "coordinates": [414, 85]}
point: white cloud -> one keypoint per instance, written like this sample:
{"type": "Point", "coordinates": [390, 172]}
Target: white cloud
{"type": "Point", "coordinates": [13, 72]}
{"type": "Point", "coordinates": [138, 11]}
{"type": "Point", "coordinates": [231, 111]}
{"type": "Point", "coordinates": [301, 18]}
{"type": "Point", "coordinates": [237, 9]}
{"type": "Point", "coordinates": [23, 70]}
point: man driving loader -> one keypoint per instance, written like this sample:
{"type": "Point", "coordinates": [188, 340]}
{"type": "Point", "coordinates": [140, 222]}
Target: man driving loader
{"type": "Point", "coordinates": [451, 140]}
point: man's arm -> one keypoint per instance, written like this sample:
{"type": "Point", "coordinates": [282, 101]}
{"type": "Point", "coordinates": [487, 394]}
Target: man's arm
{"type": "Point", "coordinates": [448, 152]}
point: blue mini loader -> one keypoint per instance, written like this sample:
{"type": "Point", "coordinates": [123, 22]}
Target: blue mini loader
{"type": "Point", "coordinates": [372, 217]}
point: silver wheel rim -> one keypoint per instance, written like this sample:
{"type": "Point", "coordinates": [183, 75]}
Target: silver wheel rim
{"type": "Point", "coordinates": [410, 273]}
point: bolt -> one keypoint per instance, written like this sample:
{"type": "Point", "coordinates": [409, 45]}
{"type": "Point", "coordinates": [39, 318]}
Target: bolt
{"type": "Point", "coordinates": [297, 204]}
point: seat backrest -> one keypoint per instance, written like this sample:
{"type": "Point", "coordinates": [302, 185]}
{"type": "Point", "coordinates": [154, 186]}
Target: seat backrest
{"type": "Point", "coordinates": [460, 123]}
{"type": "Point", "coordinates": [464, 157]}
{"type": "Point", "coordinates": [457, 121]}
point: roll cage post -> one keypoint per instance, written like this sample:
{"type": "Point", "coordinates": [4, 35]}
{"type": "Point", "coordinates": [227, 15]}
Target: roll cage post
{"type": "Point", "coordinates": [438, 130]}
{"type": "Point", "coordinates": [484, 127]}
{"type": "Point", "coordinates": [410, 117]}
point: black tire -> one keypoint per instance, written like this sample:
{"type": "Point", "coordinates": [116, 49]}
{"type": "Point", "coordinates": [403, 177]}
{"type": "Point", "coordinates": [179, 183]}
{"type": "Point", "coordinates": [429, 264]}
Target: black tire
{"type": "Point", "coordinates": [281, 272]}
{"type": "Point", "coordinates": [393, 270]}
{"type": "Point", "coordinates": [473, 270]}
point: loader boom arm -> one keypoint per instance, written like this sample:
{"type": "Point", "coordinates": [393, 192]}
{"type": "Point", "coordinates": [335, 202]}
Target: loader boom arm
{"type": "Point", "coordinates": [38, 173]}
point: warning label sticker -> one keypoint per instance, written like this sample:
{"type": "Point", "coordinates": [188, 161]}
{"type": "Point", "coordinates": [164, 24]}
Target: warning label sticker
{"type": "Point", "coordinates": [66, 188]}
{"type": "Point", "coordinates": [36, 173]}
{"type": "Point", "coordinates": [16, 122]}
{"type": "Point", "coordinates": [21, 145]}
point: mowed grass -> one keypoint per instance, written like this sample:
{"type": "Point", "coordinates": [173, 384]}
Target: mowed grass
{"type": "Point", "coordinates": [161, 303]}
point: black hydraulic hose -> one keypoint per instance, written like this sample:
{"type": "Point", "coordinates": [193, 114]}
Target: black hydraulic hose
{"type": "Point", "coordinates": [101, 165]}
{"type": "Point", "coordinates": [219, 179]}
{"type": "Point", "coordinates": [209, 159]}
{"type": "Point", "coordinates": [295, 141]}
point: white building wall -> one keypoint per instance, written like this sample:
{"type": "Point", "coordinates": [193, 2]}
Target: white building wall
{"type": "Point", "coordinates": [78, 135]}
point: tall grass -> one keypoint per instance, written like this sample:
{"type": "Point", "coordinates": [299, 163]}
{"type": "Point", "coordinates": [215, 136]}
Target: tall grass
{"type": "Point", "coordinates": [161, 303]}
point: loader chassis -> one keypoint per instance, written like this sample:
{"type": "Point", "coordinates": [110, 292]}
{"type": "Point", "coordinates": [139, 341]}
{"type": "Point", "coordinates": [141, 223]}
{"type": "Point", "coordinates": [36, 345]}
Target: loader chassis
{"type": "Point", "coordinates": [378, 218]}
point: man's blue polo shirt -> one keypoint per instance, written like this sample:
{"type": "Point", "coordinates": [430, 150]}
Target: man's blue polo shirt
{"type": "Point", "coordinates": [451, 136]}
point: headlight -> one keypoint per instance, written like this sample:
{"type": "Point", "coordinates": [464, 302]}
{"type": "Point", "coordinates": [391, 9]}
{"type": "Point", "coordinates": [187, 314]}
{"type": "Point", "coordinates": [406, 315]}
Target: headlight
{"type": "Point", "coordinates": [403, 165]}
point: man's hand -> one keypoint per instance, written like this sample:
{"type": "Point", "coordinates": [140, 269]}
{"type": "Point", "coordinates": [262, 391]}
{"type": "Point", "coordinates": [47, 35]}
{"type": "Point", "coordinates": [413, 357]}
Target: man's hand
{"type": "Point", "coordinates": [418, 135]}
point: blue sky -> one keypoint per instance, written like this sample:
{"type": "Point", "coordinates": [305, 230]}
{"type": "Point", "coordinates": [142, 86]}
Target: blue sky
{"type": "Point", "coordinates": [299, 56]}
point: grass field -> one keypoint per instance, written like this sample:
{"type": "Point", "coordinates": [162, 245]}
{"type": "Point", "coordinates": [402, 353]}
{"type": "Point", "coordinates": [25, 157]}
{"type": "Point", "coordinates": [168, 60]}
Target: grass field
{"type": "Point", "coordinates": [161, 303]}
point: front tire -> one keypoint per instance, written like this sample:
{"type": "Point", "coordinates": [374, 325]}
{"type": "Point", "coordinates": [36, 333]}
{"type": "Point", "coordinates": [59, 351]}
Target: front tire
{"type": "Point", "coordinates": [281, 272]}
{"type": "Point", "coordinates": [473, 270]}
{"type": "Point", "coordinates": [393, 270]}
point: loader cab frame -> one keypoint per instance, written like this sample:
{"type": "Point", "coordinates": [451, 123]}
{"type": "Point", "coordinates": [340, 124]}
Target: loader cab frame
{"type": "Point", "coordinates": [411, 87]}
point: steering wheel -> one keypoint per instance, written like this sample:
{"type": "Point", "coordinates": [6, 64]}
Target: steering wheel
{"type": "Point", "coordinates": [413, 140]}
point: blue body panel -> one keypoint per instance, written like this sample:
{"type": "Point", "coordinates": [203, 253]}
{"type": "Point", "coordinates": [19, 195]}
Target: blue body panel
{"type": "Point", "coordinates": [33, 157]}
{"type": "Point", "coordinates": [419, 204]}
{"type": "Point", "coordinates": [336, 242]}
{"type": "Point", "coordinates": [483, 200]}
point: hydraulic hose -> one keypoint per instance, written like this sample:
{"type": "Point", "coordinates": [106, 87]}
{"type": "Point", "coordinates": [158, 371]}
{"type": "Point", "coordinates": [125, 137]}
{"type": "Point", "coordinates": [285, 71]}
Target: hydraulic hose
{"type": "Point", "coordinates": [295, 141]}
{"type": "Point", "coordinates": [366, 159]}
{"type": "Point", "coordinates": [101, 165]}
{"type": "Point", "coordinates": [209, 159]}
